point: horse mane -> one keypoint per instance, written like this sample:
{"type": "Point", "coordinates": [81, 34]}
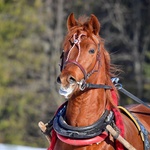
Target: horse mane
{"type": "Point", "coordinates": [83, 20]}
{"type": "Point", "coordinates": [111, 71]}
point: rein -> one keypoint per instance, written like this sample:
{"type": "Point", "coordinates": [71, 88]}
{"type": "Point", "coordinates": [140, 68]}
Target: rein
{"type": "Point", "coordinates": [124, 91]}
{"type": "Point", "coordinates": [83, 85]}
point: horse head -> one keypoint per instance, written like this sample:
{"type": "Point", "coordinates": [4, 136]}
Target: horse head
{"type": "Point", "coordinates": [84, 59]}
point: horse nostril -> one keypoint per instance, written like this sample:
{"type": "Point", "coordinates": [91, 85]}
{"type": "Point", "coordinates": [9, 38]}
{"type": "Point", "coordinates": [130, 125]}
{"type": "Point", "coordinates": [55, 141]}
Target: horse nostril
{"type": "Point", "coordinates": [58, 80]}
{"type": "Point", "coordinates": [71, 80]}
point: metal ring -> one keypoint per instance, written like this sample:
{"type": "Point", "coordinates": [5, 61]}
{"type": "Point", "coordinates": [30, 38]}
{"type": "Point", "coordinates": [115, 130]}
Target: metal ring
{"type": "Point", "coordinates": [118, 86]}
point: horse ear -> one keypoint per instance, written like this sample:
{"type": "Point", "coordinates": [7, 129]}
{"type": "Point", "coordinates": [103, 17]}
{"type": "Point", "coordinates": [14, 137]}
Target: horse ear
{"type": "Point", "coordinates": [71, 22]}
{"type": "Point", "coordinates": [94, 24]}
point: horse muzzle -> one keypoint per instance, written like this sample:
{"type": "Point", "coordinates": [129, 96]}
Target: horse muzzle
{"type": "Point", "coordinates": [67, 85]}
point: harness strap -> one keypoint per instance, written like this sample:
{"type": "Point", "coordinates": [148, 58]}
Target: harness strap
{"type": "Point", "coordinates": [77, 64]}
{"type": "Point", "coordinates": [143, 132]}
{"type": "Point", "coordinates": [83, 85]}
{"type": "Point", "coordinates": [132, 96]}
{"type": "Point", "coordinates": [98, 86]}
{"type": "Point", "coordinates": [121, 89]}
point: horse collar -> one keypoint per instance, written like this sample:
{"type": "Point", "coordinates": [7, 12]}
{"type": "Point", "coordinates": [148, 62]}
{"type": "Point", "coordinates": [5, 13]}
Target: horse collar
{"type": "Point", "coordinates": [81, 135]}
{"type": "Point", "coordinates": [83, 142]}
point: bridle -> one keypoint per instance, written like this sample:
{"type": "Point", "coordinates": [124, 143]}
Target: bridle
{"type": "Point", "coordinates": [82, 83]}
{"type": "Point", "coordinates": [76, 42]}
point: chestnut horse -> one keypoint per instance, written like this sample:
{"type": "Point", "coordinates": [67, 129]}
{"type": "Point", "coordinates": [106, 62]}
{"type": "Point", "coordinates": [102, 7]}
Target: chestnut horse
{"type": "Point", "coordinates": [85, 81]}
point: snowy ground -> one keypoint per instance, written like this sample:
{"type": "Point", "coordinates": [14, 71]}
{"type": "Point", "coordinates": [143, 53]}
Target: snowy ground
{"type": "Point", "coordinates": [17, 147]}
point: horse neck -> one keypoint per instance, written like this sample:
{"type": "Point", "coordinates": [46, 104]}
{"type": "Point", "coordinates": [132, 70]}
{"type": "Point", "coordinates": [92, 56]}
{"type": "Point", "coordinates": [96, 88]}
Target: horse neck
{"type": "Point", "coordinates": [87, 107]}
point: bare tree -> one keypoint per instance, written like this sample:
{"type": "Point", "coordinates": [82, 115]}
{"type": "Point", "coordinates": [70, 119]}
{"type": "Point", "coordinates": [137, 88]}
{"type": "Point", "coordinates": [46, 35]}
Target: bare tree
{"type": "Point", "coordinates": [122, 30]}
{"type": "Point", "coordinates": [52, 43]}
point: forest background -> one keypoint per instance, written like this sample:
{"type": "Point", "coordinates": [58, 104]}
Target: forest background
{"type": "Point", "coordinates": [31, 35]}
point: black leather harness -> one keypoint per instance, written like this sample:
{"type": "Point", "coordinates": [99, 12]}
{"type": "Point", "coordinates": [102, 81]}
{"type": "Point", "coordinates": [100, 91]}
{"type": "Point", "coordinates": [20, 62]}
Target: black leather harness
{"type": "Point", "coordinates": [59, 124]}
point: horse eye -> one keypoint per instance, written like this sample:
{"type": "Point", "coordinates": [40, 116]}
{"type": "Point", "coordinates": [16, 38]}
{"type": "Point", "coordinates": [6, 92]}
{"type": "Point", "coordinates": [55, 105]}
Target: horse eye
{"type": "Point", "coordinates": [91, 51]}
